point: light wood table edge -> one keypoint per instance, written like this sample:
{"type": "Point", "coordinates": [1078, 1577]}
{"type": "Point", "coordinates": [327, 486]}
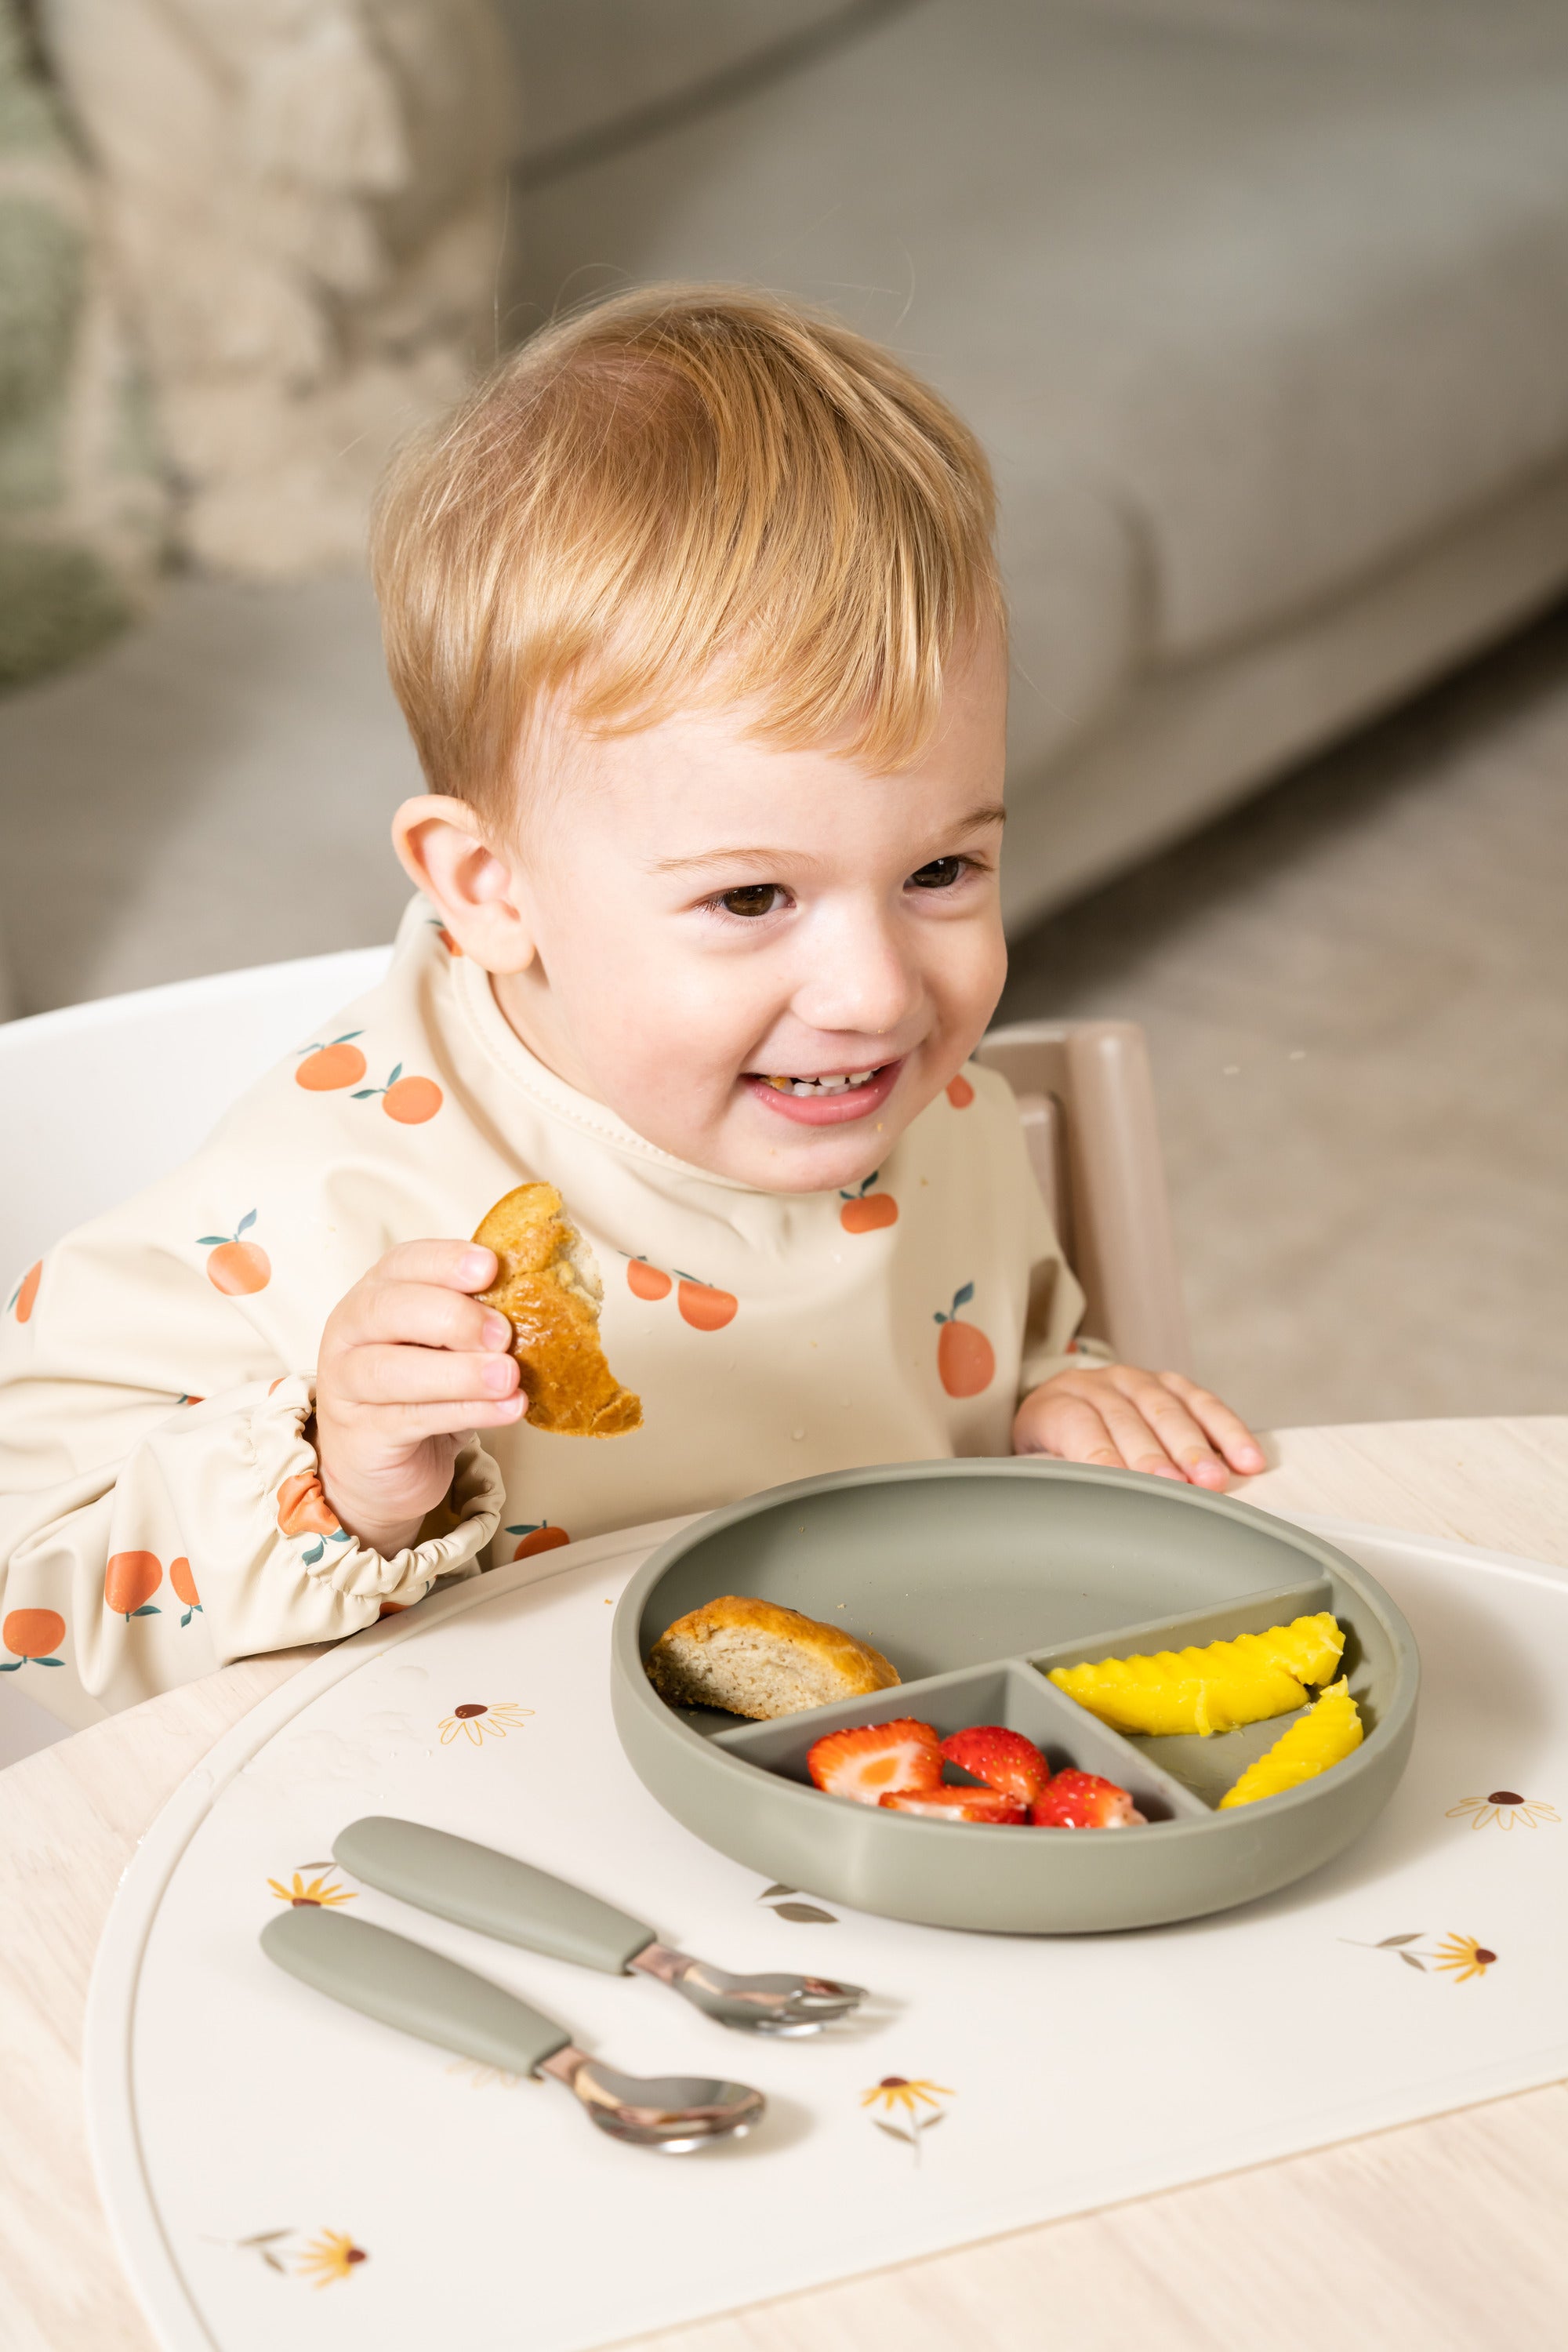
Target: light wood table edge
{"type": "Point", "coordinates": [1444, 2233]}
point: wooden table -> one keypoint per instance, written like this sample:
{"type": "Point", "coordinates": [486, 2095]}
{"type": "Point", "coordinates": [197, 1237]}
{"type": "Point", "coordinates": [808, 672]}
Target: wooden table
{"type": "Point", "coordinates": [1442, 2235]}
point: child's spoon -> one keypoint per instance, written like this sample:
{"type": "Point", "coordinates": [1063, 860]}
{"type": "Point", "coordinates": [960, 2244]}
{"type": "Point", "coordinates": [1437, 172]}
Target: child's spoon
{"type": "Point", "coordinates": [404, 1984]}
{"type": "Point", "coordinates": [499, 1895]}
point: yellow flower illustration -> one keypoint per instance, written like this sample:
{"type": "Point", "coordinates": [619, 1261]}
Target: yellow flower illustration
{"type": "Point", "coordinates": [897, 2091]}
{"type": "Point", "coordinates": [318, 1891]}
{"type": "Point", "coordinates": [1464, 1956]}
{"type": "Point", "coordinates": [910, 2097]}
{"type": "Point", "coordinates": [1505, 1807]}
{"type": "Point", "coordinates": [331, 2256]}
{"type": "Point", "coordinates": [482, 1723]}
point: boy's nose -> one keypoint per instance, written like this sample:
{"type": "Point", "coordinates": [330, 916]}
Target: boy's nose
{"type": "Point", "coordinates": [856, 980]}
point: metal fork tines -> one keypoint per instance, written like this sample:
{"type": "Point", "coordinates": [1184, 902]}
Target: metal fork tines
{"type": "Point", "coordinates": [782, 2003]}
{"type": "Point", "coordinates": [499, 1895]}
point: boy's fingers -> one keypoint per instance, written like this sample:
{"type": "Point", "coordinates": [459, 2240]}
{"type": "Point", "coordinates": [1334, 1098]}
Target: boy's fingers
{"type": "Point", "coordinates": [410, 1425]}
{"type": "Point", "coordinates": [405, 1375]}
{"type": "Point", "coordinates": [456, 1266]}
{"type": "Point", "coordinates": [1132, 1431]}
{"type": "Point", "coordinates": [1076, 1431]}
{"type": "Point", "coordinates": [1183, 1437]}
{"type": "Point", "coordinates": [423, 1315]}
{"type": "Point", "coordinates": [1224, 1428]}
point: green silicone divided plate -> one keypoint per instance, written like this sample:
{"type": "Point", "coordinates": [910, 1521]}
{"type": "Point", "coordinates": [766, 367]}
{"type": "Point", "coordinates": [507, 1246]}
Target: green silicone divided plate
{"type": "Point", "coordinates": [976, 1576]}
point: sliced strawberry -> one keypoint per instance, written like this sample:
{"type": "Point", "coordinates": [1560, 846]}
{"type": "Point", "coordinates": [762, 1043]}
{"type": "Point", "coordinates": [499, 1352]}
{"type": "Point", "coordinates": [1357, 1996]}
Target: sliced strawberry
{"type": "Point", "coordinates": [1082, 1801]}
{"type": "Point", "coordinates": [873, 1758]}
{"type": "Point", "coordinates": [958, 1804]}
{"type": "Point", "coordinates": [1002, 1758]}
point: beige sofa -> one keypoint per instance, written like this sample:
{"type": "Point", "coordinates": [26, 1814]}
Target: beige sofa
{"type": "Point", "coordinates": [1261, 307]}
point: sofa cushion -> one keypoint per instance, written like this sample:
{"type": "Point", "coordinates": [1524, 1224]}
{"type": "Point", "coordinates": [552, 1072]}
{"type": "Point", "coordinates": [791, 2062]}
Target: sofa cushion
{"type": "Point", "coordinates": [1284, 305]}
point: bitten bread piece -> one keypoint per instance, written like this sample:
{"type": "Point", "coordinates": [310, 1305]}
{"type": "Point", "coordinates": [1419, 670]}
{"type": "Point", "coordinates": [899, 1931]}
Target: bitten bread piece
{"type": "Point", "coordinates": [752, 1657]}
{"type": "Point", "coordinates": [549, 1288]}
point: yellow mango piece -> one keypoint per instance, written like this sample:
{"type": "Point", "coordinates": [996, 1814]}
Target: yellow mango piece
{"type": "Point", "coordinates": [1325, 1734]}
{"type": "Point", "coordinates": [1215, 1689]}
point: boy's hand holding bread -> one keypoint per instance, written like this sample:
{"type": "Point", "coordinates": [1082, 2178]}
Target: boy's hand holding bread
{"type": "Point", "coordinates": [411, 1363]}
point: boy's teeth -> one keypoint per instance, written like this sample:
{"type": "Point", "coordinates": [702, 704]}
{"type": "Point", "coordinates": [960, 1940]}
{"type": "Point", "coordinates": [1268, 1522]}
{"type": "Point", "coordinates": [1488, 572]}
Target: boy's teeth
{"type": "Point", "coordinates": [833, 1086]}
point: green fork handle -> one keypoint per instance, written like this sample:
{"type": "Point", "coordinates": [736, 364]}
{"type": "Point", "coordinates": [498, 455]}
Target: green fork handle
{"type": "Point", "coordinates": [481, 1888]}
{"type": "Point", "coordinates": [403, 1984]}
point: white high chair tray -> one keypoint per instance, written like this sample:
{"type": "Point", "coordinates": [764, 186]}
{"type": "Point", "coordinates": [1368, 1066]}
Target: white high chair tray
{"type": "Point", "coordinates": [277, 2168]}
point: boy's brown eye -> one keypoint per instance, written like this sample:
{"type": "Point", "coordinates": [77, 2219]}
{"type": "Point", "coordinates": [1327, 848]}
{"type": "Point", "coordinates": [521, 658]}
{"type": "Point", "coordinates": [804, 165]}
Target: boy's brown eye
{"type": "Point", "coordinates": [756, 898]}
{"type": "Point", "coordinates": [940, 875]}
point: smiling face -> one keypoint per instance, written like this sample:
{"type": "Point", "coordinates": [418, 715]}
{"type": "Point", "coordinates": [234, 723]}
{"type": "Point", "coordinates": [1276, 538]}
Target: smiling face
{"type": "Point", "coordinates": [766, 961]}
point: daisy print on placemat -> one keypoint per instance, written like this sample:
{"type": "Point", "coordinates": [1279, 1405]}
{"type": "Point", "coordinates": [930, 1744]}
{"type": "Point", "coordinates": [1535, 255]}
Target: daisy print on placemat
{"type": "Point", "coordinates": [315, 1894]}
{"type": "Point", "coordinates": [1464, 1958]}
{"type": "Point", "coordinates": [916, 2101]}
{"type": "Point", "coordinates": [331, 2254]}
{"type": "Point", "coordinates": [1505, 1809]}
{"type": "Point", "coordinates": [479, 1723]}
{"type": "Point", "coordinates": [1458, 1956]}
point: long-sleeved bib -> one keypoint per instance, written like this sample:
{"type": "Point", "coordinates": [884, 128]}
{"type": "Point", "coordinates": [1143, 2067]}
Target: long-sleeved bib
{"type": "Point", "coordinates": [160, 1511]}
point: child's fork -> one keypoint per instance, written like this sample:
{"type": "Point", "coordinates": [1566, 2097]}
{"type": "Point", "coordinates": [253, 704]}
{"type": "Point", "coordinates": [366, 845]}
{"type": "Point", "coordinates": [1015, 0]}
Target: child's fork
{"type": "Point", "coordinates": [501, 1896]}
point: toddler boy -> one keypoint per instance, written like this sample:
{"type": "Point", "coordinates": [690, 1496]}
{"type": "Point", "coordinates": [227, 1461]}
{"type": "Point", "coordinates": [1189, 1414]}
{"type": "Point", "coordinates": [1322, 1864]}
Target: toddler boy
{"type": "Point", "coordinates": [694, 616]}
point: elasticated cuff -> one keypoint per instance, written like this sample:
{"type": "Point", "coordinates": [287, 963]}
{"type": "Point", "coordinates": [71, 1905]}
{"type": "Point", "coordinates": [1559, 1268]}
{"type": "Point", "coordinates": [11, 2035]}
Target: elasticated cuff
{"type": "Point", "coordinates": [1082, 1356]}
{"type": "Point", "coordinates": [288, 1476]}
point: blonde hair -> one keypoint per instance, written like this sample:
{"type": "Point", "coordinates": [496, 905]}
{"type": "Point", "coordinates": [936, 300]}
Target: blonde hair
{"type": "Point", "coordinates": [682, 497]}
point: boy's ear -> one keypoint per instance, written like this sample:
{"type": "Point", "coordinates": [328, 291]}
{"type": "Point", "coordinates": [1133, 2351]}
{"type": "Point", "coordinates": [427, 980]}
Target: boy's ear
{"type": "Point", "coordinates": [481, 895]}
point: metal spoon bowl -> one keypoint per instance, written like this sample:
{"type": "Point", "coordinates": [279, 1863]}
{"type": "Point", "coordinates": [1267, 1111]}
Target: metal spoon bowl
{"type": "Point", "coordinates": [676, 2113]}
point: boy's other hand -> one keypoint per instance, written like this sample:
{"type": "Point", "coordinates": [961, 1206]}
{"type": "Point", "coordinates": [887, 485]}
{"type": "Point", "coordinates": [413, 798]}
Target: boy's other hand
{"type": "Point", "coordinates": [1157, 1422]}
{"type": "Point", "coordinates": [411, 1365]}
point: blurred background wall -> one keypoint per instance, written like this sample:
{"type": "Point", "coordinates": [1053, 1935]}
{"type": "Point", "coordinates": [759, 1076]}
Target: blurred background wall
{"type": "Point", "coordinates": [1261, 307]}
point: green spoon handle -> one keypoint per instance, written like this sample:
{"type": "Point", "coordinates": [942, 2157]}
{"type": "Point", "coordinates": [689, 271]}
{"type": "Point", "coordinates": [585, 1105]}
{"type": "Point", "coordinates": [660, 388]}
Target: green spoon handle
{"type": "Point", "coordinates": [386, 1976]}
{"type": "Point", "coordinates": [492, 1892]}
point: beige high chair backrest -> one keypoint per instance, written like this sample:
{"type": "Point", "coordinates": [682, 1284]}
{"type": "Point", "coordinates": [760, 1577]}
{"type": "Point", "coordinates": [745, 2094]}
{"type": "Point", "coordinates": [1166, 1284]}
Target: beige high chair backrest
{"type": "Point", "coordinates": [1087, 1100]}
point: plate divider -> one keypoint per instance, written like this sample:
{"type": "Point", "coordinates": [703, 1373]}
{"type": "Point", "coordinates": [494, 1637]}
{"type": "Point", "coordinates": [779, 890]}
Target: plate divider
{"type": "Point", "coordinates": [1015, 1690]}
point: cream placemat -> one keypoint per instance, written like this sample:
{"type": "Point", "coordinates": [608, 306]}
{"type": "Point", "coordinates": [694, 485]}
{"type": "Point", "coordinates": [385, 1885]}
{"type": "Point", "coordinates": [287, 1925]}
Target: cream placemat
{"type": "Point", "coordinates": [279, 2170]}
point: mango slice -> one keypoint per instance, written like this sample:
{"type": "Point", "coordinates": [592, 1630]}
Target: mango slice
{"type": "Point", "coordinates": [1215, 1689]}
{"type": "Point", "coordinates": [1325, 1734]}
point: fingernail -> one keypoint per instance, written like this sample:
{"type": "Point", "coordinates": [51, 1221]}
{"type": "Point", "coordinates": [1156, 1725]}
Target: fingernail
{"type": "Point", "coordinates": [500, 1376]}
{"type": "Point", "coordinates": [1251, 1457]}
{"type": "Point", "coordinates": [512, 1408]}
{"type": "Point", "coordinates": [495, 1332]}
{"type": "Point", "coordinates": [475, 1269]}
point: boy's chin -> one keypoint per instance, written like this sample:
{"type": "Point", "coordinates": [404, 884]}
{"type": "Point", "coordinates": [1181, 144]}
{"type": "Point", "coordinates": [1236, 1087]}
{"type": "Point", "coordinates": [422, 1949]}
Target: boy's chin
{"type": "Point", "coordinates": [788, 1159]}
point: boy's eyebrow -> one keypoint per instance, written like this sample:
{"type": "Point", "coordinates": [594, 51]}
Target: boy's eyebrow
{"type": "Point", "coordinates": [992, 812]}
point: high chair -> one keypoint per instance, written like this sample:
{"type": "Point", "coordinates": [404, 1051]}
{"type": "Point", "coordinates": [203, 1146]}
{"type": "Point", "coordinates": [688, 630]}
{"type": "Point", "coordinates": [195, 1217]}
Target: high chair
{"type": "Point", "coordinates": [1087, 1101]}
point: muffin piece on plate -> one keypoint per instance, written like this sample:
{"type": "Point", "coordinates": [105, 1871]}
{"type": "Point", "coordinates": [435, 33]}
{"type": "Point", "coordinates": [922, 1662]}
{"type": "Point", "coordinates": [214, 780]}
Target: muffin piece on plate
{"type": "Point", "coordinates": [755, 1658]}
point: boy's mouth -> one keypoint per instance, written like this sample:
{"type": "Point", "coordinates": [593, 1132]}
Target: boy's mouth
{"type": "Point", "coordinates": [826, 1098]}
{"type": "Point", "coordinates": [828, 1084]}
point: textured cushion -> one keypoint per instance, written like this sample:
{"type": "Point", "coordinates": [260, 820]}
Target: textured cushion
{"type": "Point", "coordinates": [1271, 296]}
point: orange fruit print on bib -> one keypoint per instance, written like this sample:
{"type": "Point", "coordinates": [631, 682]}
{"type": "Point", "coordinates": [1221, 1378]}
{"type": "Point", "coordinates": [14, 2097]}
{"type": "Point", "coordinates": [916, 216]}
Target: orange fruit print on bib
{"type": "Point", "coordinates": [326, 1068]}
{"type": "Point", "coordinates": [965, 1360]}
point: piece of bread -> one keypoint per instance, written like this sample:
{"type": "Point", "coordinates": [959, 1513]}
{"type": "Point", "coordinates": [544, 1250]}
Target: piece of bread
{"type": "Point", "coordinates": [753, 1658]}
{"type": "Point", "coordinates": [549, 1288]}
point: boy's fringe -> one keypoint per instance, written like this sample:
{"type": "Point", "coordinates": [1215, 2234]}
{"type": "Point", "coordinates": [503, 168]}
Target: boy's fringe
{"type": "Point", "coordinates": [680, 497]}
